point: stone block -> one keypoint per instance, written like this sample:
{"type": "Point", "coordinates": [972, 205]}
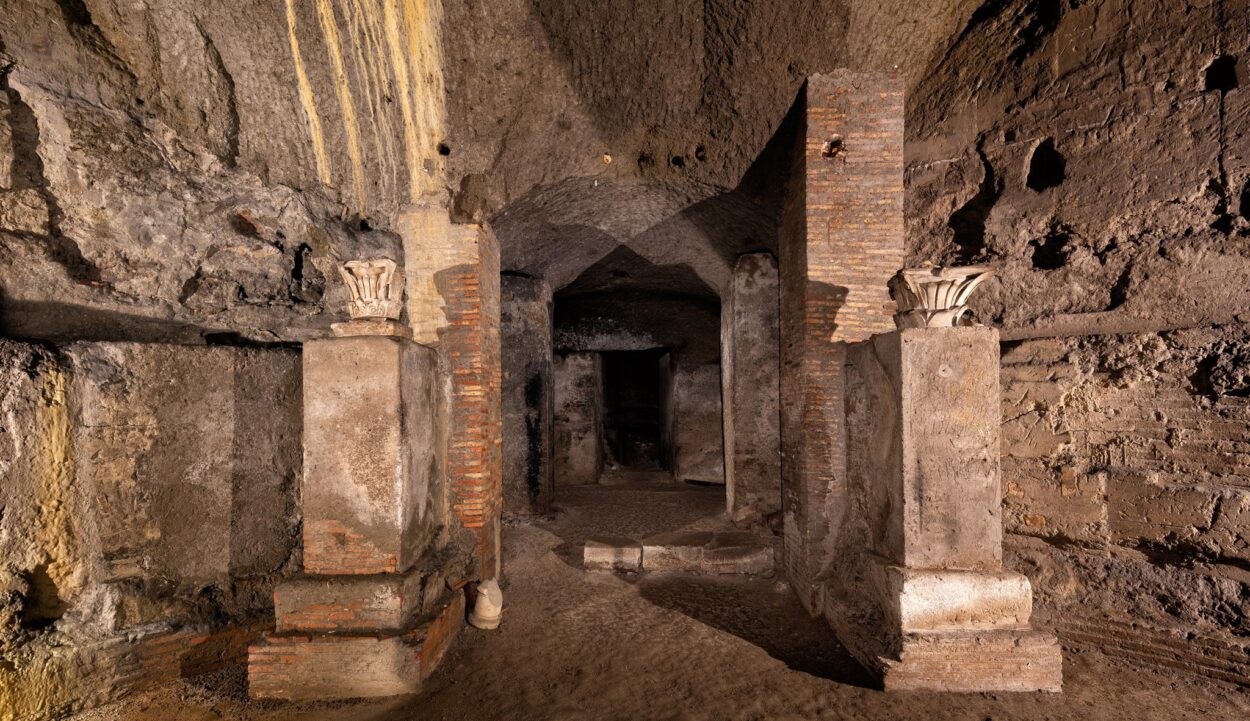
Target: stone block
{"type": "Point", "coordinates": [946, 600]}
{"type": "Point", "coordinates": [385, 603]}
{"type": "Point", "coordinates": [612, 554]}
{"type": "Point", "coordinates": [371, 495]}
{"type": "Point", "coordinates": [939, 501]}
{"type": "Point", "coordinates": [737, 553]}
{"type": "Point", "coordinates": [681, 551]}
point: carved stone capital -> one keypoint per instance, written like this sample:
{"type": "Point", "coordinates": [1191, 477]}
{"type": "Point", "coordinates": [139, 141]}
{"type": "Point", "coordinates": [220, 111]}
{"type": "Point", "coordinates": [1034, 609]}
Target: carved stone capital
{"type": "Point", "coordinates": [376, 287]}
{"type": "Point", "coordinates": [935, 297]}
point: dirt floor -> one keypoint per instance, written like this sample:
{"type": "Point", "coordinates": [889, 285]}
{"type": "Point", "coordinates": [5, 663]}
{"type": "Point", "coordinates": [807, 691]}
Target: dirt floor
{"type": "Point", "coordinates": [578, 645]}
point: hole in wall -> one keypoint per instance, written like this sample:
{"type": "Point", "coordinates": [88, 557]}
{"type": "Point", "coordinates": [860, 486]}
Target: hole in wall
{"type": "Point", "coordinates": [363, 224]}
{"type": "Point", "coordinates": [700, 153]}
{"type": "Point", "coordinates": [833, 147]}
{"type": "Point", "coordinates": [444, 149]}
{"type": "Point", "coordinates": [243, 225]}
{"type": "Point", "coordinates": [43, 605]}
{"type": "Point", "coordinates": [1050, 252]}
{"type": "Point", "coordinates": [1243, 202]}
{"type": "Point", "coordinates": [1047, 167]}
{"type": "Point", "coordinates": [1220, 74]}
{"type": "Point", "coordinates": [677, 161]}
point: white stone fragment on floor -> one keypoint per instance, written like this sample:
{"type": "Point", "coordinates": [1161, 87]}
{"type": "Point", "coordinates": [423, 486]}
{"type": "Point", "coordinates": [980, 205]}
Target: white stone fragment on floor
{"type": "Point", "coordinates": [607, 553]}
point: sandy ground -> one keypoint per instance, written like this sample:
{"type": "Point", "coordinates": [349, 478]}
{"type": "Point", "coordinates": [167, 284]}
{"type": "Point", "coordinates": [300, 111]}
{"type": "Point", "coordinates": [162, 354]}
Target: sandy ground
{"type": "Point", "coordinates": [596, 646]}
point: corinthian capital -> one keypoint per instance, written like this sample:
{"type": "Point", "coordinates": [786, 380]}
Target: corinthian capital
{"type": "Point", "coordinates": [935, 297]}
{"type": "Point", "coordinates": [376, 287]}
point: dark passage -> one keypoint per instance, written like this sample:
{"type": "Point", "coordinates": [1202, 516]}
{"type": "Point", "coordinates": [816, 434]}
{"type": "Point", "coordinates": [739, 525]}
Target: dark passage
{"type": "Point", "coordinates": [632, 423]}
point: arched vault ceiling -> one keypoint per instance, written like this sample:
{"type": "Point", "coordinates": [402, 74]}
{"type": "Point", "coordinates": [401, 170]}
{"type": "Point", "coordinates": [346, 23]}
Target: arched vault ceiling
{"type": "Point", "coordinates": [559, 231]}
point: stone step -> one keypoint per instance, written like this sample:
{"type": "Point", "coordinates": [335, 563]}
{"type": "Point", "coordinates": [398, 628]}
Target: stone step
{"type": "Point", "coordinates": [709, 552]}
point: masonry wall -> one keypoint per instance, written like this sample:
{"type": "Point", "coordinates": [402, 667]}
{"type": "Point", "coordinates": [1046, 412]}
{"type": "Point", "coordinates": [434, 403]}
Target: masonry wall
{"type": "Point", "coordinates": [151, 503]}
{"type": "Point", "coordinates": [1127, 492]}
{"type": "Point", "coordinates": [527, 395]}
{"type": "Point", "coordinates": [840, 239]}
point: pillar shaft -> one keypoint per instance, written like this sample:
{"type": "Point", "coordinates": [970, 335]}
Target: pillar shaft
{"type": "Point", "coordinates": [840, 240]}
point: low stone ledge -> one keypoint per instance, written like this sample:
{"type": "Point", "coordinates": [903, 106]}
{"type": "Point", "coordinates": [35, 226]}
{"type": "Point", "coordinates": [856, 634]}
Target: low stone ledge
{"type": "Point", "coordinates": [607, 553]}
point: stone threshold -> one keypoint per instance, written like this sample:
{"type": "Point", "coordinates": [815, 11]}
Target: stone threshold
{"type": "Point", "coordinates": [710, 552]}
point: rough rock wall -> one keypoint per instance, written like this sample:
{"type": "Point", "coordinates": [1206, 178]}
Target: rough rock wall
{"type": "Point", "coordinates": [174, 170]}
{"type": "Point", "coordinates": [1094, 151]}
{"type": "Point", "coordinates": [1127, 486]}
{"type": "Point", "coordinates": [150, 494]}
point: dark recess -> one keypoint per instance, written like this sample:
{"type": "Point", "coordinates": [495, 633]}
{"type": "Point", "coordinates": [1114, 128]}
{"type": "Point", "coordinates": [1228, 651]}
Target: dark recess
{"type": "Point", "coordinates": [1221, 74]}
{"type": "Point", "coordinates": [1047, 167]}
{"type": "Point", "coordinates": [1050, 252]}
{"type": "Point", "coordinates": [43, 604]}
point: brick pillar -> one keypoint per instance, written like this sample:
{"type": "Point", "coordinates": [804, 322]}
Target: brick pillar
{"type": "Point", "coordinates": [468, 289]}
{"type": "Point", "coordinates": [841, 238]}
{"type": "Point", "coordinates": [453, 305]}
{"type": "Point", "coordinates": [750, 364]}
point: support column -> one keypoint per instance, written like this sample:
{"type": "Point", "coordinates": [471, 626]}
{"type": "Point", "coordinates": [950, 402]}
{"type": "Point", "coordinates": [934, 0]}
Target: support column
{"type": "Point", "coordinates": [373, 612]}
{"type": "Point", "coordinates": [841, 238]}
{"type": "Point", "coordinates": [527, 395]}
{"type": "Point", "coordinates": [920, 595]}
{"type": "Point", "coordinates": [578, 419]}
{"type": "Point", "coordinates": [695, 416]}
{"type": "Point", "coordinates": [750, 368]}
{"type": "Point", "coordinates": [454, 307]}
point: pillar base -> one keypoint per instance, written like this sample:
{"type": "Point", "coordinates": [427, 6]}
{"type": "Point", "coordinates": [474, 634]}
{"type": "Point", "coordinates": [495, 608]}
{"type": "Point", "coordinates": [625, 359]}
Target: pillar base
{"type": "Point", "coordinates": [996, 660]}
{"type": "Point", "coordinates": [311, 666]}
{"type": "Point", "coordinates": [969, 659]}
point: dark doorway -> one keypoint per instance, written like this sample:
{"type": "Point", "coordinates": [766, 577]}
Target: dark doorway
{"type": "Point", "coordinates": [633, 420]}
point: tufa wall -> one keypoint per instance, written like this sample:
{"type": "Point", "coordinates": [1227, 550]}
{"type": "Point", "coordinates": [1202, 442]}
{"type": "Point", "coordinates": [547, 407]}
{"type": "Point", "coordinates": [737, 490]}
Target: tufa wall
{"type": "Point", "coordinates": [151, 503]}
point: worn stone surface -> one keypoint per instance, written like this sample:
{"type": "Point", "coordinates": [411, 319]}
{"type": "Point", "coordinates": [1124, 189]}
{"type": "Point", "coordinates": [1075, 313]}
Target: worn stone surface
{"type": "Point", "coordinates": [612, 553]}
{"type": "Point", "coordinates": [528, 402]}
{"type": "Point", "coordinates": [751, 392]}
{"type": "Point", "coordinates": [373, 497]}
{"type": "Point", "coordinates": [578, 420]}
{"type": "Point", "coordinates": [1125, 491]}
{"type": "Point", "coordinates": [696, 432]}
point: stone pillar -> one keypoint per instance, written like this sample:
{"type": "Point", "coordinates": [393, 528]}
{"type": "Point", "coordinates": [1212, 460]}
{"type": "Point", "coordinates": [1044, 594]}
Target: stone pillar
{"type": "Point", "coordinates": [750, 368]}
{"type": "Point", "coordinates": [578, 419]}
{"type": "Point", "coordinates": [695, 410]}
{"type": "Point", "coordinates": [527, 395]}
{"type": "Point", "coordinates": [372, 615]}
{"type": "Point", "coordinates": [840, 240]}
{"type": "Point", "coordinates": [919, 594]}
